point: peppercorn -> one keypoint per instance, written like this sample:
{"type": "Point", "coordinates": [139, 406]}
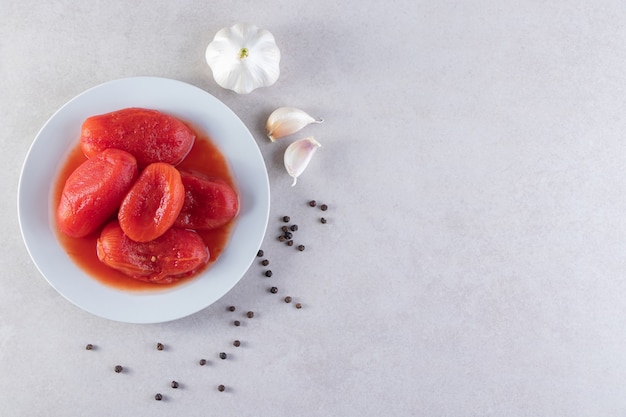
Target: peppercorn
{"type": "Point", "coordinates": [265, 262]}
{"type": "Point", "coordinates": [236, 343]}
{"type": "Point", "coordinates": [324, 207]}
{"type": "Point", "coordinates": [290, 243]}
{"type": "Point", "coordinates": [294, 227]}
{"type": "Point", "coordinates": [221, 388]}
{"type": "Point", "coordinates": [223, 355]}
{"type": "Point", "coordinates": [298, 305]}
{"type": "Point", "coordinates": [236, 322]}
{"type": "Point", "coordinates": [285, 228]}
{"type": "Point", "coordinates": [288, 299]}
{"type": "Point", "coordinates": [282, 238]}
{"type": "Point", "coordinates": [202, 362]}
{"type": "Point", "coordinates": [118, 368]}
{"type": "Point", "coordinates": [323, 220]}
{"type": "Point", "coordinates": [288, 235]}
{"type": "Point", "coordinates": [250, 314]}
{"type": "Point", "coordinates": [300, 248]}
{"type": "Point", "coordinates": [260, 253]}
{"type": "Point", "coordinates": [89, 346]}
{"type": "Point", "coordinates": [312, 203]}
{"type": "Point", "coordinates": [174, 384]}
{"type": "Point", "coordinates": [160, 346]}
{"type": "Point", "coordinates": [231, 308]}
{"type": "Point", "coordinates": [158, 397]}
{"type": "Point", "coordinates": [286, 219]}
{"type": "Point", "coordinates": [273, 290]}
{"type": "Point", "coordinates": [268, 273]}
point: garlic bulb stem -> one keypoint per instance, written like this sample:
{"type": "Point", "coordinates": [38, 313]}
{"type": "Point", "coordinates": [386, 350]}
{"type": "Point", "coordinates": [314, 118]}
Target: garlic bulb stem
{"type": "Point", "coordinates": [298, 155]}
{"type": "Point", "coordinates": [285, 121]}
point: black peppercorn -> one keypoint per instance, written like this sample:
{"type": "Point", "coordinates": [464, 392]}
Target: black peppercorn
{"type": "Point", "coordinates": [288, 235]}
{"type": "Point", "coordinates": [312, 203]}
{"type": "Point", "coordinates": [118, 368]}
{"type": "Point", "coordinates": [288, 299]}
{"type": "Point", "coordinates": [250, 314]}
{"type": "Point", "coordinates": [223, 355]}
{"type": "Point", "coordinates": [265, 262]}
{"type": "Point", "coordinates": [202, 362]}
{"type": "Point", "coordinates": [294, 227]}
{"type": "Point", "coordinates": [273, 290]}
{"type": "Point", "coordinates": [174, 384]}
{"type": "Point", "coordinates": [221, 388]}
{"type": "Point", "coordinates": [324, 207]}
{"type": "Point", "coordinates": [89, 346]}
{"type": "Point", "coordinates": [160, 346]}
{"type": "Point", "coordinates": [236, 322]}
{"type": "Point", "coordinates": [323, 220]}
{"type": "Point", "coordinates": [285, 228]}
{"type": "Point", "coordinates": [236, 343]}
{"type": "Point", "coordinates": [259, 253]}
{"type": "Point", "coordinates": [158, 397]}
{"type": "Point", "coordinates": [286, 219]}
{"type": "Point", "coordinates": [300, 248]}
{"type": "Point", "coordinates": [231, 308]}
{"type": "Point", "coordinates": [268, 273]}
{"type": "Point", "coordinates": [290, 243]}
{"type": "Point", "coordinates": [282, 238]}
{"type": "Point", "coordinates": [298, 306]}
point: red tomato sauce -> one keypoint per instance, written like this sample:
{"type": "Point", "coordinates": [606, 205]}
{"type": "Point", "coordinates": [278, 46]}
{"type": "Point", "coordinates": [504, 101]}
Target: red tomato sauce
{"type": "Point", "coordinates": [204, 157]}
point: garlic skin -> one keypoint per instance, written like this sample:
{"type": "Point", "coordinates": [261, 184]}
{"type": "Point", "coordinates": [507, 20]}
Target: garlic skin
{"type": "Point", "coordinates": [243, 58]}
{"type": "Point", "coordinates": [298, 155]}
{"type": "Point", "coordinates": [285, 121]}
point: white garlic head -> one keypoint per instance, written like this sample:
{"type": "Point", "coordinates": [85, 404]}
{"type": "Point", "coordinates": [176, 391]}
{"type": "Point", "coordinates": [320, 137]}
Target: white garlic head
{"type": "Point", "coordinates": [243, 58]}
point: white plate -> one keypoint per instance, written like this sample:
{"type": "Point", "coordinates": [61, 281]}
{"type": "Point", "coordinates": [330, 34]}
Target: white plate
{"type": "Point", "coordinates": [50, 150]}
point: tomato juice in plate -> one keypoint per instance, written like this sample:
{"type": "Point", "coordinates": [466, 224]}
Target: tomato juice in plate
{"type": "Point", "coordinates": [204, 158]}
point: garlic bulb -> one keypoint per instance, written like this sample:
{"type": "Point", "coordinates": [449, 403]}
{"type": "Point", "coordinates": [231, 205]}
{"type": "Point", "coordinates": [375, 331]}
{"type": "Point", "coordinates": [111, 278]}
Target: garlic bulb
{"type": "Point", "coordinates": [298, 155]}
{"type": "Point", "coordinates": [287, 120]}
{"type": "Point", "coordinates": [243, 58]}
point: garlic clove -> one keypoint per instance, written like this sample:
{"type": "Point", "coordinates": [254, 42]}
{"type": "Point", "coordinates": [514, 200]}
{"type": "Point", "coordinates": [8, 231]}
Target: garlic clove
{"type": "Point", "coordinates": [298, 155]}
{"type": "Point", "coordinates": [285, 121]}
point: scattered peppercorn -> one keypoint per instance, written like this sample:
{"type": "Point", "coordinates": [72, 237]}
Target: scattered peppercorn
{"type": "Point", "coordinates": [290, 243]}
{"type": "Point", "coordinates": [160, 346]}
{"type": "Point", "coordinates": [89, 346]}
{"type": "Point", "coordinates": [323, 220]}
{"type": "Point", "coordinates": [174, 384]}
{"type": "Point", "coordinates": [231, 308]}
{"type": "Point", "coordinates": [294, 228]}
{"type": "Point", "coordinates": [288, 235]}
{"type": "Point", "coordinates": [221, 388]}
{"type": "Point", "coordinates": [236, 343]}
{"type": "Point", "coordinates": [288, 299]}
{"type": "Point", "coordinates": [223, 355]}
{"type": "Point", "coordinates": [286, 219]}
{"type": "Point", "coordinates": [323, 207]}
{"type": "Point", "coordinates": [298, 305]}
{"type": "Point", "coordinates": [285, 228]}
{"type": "Point", "coordinates": [236, 322]}
{"type": "Point", "coordinates": [158, 397]}
{"type": "Point", "coordinates": [281, 238]}
{"type": "Point", "coordinates": [268, 273]}
{"type": "Point", "coordinates": [202, 362]}
{"type": "Point", "coordinates": [312, 203]}
{"type": "Point", "coordinates": [259, 253]}
{"type": "Point", "coordinates": [250, 314]}
{"type": "Point", "coordinates": [300, 248]}
{"type": "Point", "coordinates": [273, 290]}
{"type": "Point", "coordinates": [118, 368]}
{"type": "Point", "coordinates": [265, 262]}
